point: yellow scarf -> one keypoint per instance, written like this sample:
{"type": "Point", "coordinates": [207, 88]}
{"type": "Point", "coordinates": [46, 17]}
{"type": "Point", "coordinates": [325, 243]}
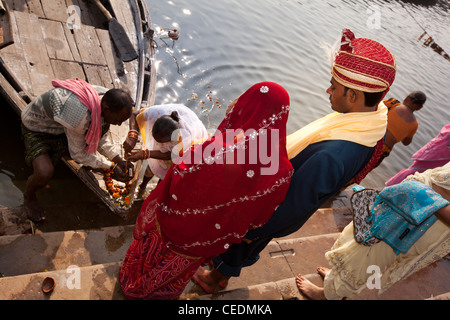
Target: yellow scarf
{"type": "Point", "coordinates": [365, 128]}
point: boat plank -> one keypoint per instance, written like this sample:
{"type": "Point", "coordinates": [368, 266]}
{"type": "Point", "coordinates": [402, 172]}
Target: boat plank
{"type": "Point", "coordinates": [98, 75]}
{"type": "Point", "coordinates": [131, 81]}
{"type": "Point", "coordinates": [11, 95]}
{"type": "Point", "coordinates": [122, 73]}
{"type": "Point", "coordinates": [67, 70]}
{"type": "Point", "coordinates": [46, 48]}
{"type": "Point", "coordinates": [14, 58]}
{"type": "Point", "coordinates": [38, 62]}
{"type": "Point", "coordinates": [112, 58]}
{"type": "Point", "coordinates": [30, 6]}
{"type": "Point", "coordinates": [72, 43]}
{"type": "Point", "coordinates": [89, 45]}
{"type": "Point", "coordinates": [55, 40]}
{"type": "Point", "coordinates": [55, 9]}
{"type": "Point", "coordinates": [89, 13]}
{"type": "Point", "coordinates": [126, 19]}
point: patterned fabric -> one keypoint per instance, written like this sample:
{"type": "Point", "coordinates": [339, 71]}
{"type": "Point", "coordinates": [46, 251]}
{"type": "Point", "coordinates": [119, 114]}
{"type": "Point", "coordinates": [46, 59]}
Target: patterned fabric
{"type": "Point", "coordinates": [91, 100]}
{"type": "Point", "coordinates": [65, 105]}
{"type": "Point", "coordinates": [37, 143]}
{"type": "Point", "coordinates": [235, 188]}
{"type": "Point", "coordinates": [371, 164]}
{"type": "Point", "coordinates": [50, 113]}
{"type": "Point", "coordinates": [172, 229]}
{"type": "Point", "coordinates": [403, 213]}
{"type": "Point", "coordinates": [350, 260]}
{"type": "Point", "coordinates": [363, 64]}
{"type": "Point", "coordinates": [362, 202]}
{"type": "Point", "coordinates": [151, 271]}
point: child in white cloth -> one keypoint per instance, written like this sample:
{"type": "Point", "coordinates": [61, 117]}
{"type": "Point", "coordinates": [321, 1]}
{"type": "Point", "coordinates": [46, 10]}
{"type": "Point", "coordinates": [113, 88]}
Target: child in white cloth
{"type": "Point", "coordinates": [167, 130]}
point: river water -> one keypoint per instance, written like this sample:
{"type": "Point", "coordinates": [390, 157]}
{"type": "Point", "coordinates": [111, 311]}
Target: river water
{"type": "Point", "coordinates": [225, 46]}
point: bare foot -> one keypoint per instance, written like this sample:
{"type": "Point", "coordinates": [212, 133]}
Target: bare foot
{"type": "Point", "coordinates": [309, 289]}
{"type": "Point", "coordinates": [323, 271]}
{"type": "Point", "coordinates": [34, 211]}
{"type": "Point", "coordinates": [210, 281]}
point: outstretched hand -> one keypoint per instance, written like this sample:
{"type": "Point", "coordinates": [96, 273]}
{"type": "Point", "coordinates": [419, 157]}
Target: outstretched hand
{"type": "Point", "coordinates": [129, 144]}
{"type": "Point", "coordinates": [135, 156]}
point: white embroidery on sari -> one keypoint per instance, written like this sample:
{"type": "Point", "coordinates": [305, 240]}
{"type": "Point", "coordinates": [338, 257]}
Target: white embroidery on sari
{"type": "Point", "coordinates": [254, 197]}
{"type": "Point", "coordinates": [264, 89]}
{"type": "Point", "coordinates": [266, 123]}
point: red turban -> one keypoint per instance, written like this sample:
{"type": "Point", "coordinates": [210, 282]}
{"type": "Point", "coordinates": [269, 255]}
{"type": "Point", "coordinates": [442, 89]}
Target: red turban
{"type": "Point", "coordinates": [363, 64]}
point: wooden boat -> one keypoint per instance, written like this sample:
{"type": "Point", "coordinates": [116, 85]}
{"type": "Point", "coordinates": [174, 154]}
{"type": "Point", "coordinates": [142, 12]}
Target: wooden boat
{"type": "Point", "coordinates": [41, 40]}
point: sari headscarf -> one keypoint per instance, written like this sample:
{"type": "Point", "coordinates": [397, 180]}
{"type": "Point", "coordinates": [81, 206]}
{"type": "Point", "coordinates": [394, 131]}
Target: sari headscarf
{"type": "Point", "coordinates": [213, 196]}
{"type": "Point", "coordinates": [191, 130]}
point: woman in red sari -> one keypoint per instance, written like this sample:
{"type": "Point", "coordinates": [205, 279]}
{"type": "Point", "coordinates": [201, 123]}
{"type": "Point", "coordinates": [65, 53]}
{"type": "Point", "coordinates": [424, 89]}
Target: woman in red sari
{"type": "Point", "coordinates": [211, 196]}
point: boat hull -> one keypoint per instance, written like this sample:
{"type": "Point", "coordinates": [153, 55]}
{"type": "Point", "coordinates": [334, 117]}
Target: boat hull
{"type": "Point", "coordinates": [68, 39]}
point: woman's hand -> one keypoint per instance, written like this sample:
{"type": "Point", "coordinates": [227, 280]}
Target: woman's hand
{"type": "Point", "coordinates": [129, 144]}
{"type": "Point", "coordinates": [136, 156]}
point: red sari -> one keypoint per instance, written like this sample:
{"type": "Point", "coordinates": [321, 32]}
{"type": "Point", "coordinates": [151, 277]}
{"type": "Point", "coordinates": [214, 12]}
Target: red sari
{"type": "Point", "coordinates": [211, 196]}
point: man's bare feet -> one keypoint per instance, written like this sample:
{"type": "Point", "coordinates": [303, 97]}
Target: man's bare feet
{"type": "Point", "coordinates": [323, 271]}
{"type": "Point", "coordinates": [34, 211]}
{"type": "Point", "coordinates": [309, 289]}
{"type": "Point", "coordinates": [210, 280]}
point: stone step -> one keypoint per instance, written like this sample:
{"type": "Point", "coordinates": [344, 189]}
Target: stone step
{"type": "Point", "coordinates": [23, 254]}
{"type": "Point", "coordinates": [26, 256]}
{"type": "Point", "coordinates": [324, 221]}
{"type": "Point", "coordinates": [98, 255]}
{"type": "Point", "coordinates": [97, 282]}
{"type": "Point", "coordinates": [284, 289]}
{"type": "Point", "coordinates": [281, 259]}
{"type": "Point", "coordinates": [272, 278]}
{"type": "Point", "coordinates": [56, 250]}
{"type": "Point", "coordinates": [429, 283]}
{"type": "Point", "coordinates": [63, 217]}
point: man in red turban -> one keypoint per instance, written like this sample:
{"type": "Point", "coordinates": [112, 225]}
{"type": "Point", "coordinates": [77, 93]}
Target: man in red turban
{"type": "Point", "coordinates": [363, 64]}
{"type": "Point", "coordinates": [327, 155]}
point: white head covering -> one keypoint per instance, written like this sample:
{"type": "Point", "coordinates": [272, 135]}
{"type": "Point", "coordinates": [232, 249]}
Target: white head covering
{"type": "Point", "coordinates": [191, 131]}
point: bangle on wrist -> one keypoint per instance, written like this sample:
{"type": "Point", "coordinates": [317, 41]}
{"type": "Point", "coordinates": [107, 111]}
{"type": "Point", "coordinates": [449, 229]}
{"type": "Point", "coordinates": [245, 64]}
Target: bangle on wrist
{"type": "Point", "coordinates": [145, 153]}
{"type": "Point", "coordinates": [133, 134]}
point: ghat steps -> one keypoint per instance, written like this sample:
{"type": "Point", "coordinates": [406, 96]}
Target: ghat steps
{"type": "Point", "coordinates": [96, 254]}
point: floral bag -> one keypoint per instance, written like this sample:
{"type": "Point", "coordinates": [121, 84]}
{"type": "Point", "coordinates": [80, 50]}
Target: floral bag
{"type": "Point", "coordinates": [362, 202]}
